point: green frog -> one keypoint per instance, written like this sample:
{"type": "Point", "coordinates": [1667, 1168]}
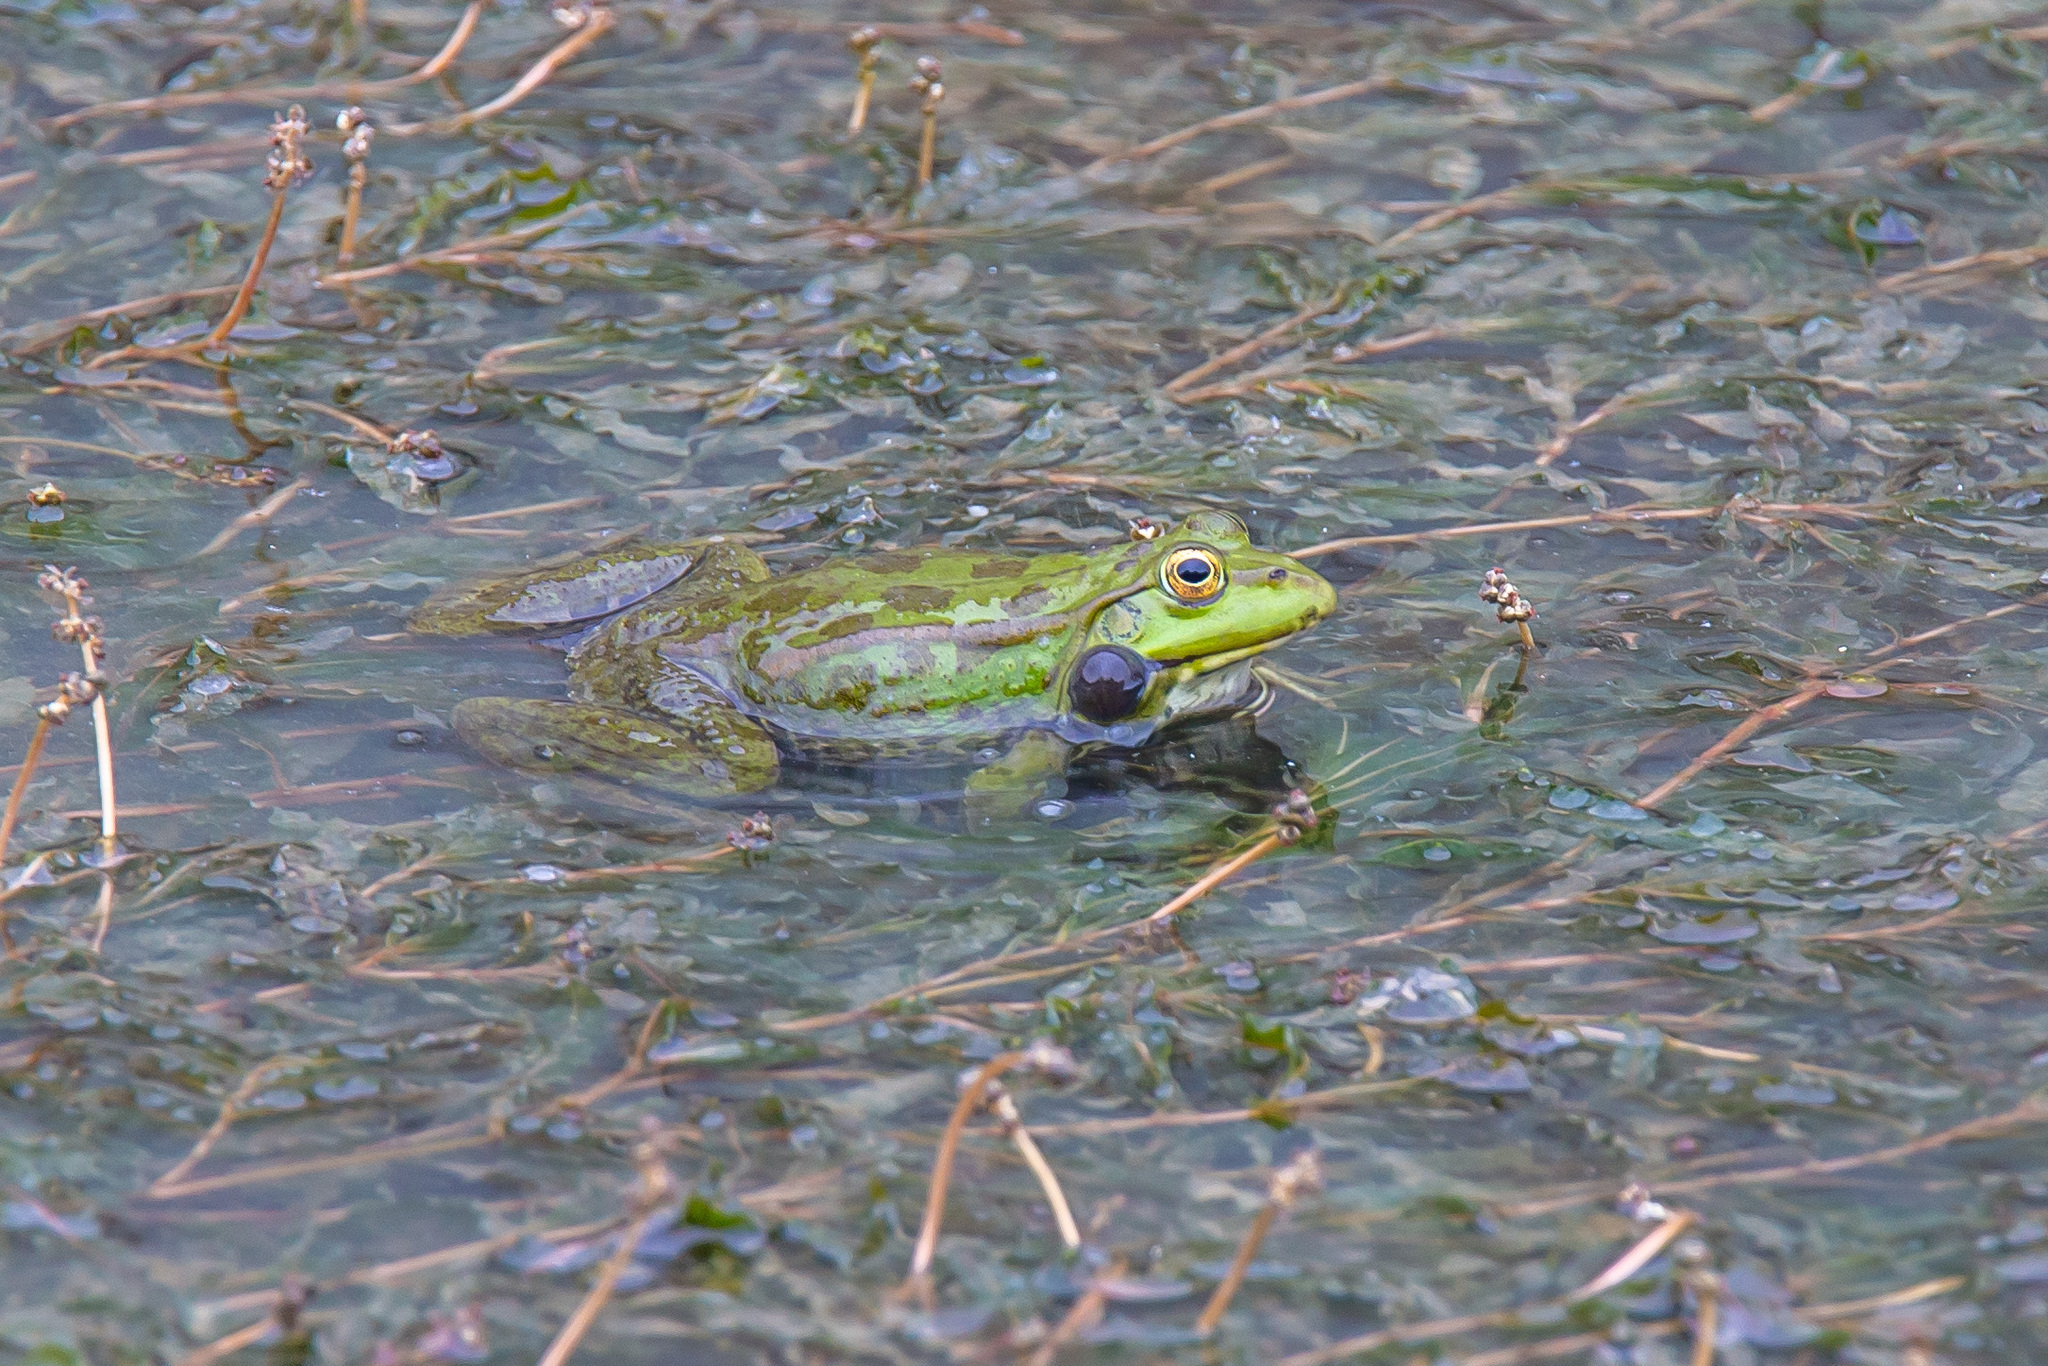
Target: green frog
{"type": "Point", "coordinates": [698, 669]}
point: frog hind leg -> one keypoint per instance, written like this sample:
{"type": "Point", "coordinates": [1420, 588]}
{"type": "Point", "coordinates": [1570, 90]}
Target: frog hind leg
{"type": "Point", "coordinates": [586, 588]}
{"type": "Point", "coordinates": [709, 753]}
{"type": "Point", "coordinates": [1033, 769]}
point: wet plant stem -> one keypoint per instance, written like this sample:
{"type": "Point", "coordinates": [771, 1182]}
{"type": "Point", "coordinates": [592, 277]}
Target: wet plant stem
{"type": "Point", "coordinates": [1303, 1173]}
{"type": "Point", "coordinates": [656, 1185]}
{"type": "Point", "coordinates": [1226, 1289]}
{"type": "Point", "coordinates": [1706, 1327]}
{"type": "Point", "coordinates": [1048, 1180]}
{"type": "Point", "coordinates": [971, 1096]}
{"type": "Point", "coordinates": [29, 759]}
{"type": "Point", "coordinates": [243, 296]}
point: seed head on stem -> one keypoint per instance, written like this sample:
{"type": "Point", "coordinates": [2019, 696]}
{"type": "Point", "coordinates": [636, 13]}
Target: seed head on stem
{"type": "Point", "coordinates": [74, 627]}
{"type": "Point", "coordinates": [287, 166]}
{"type": "Point", "coordinates": [1511, 606]}
{"type": "Point", "coordinates": [356, 132]}
{"type": "Point", "coordinates": [865, 42]}
{"type": "Point", "coordinates": [927, 83]}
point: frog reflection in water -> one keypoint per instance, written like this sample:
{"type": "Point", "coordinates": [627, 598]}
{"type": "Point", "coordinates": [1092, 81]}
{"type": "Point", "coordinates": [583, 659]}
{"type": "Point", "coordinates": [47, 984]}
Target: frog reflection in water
{"type": "Point", "coordinates": [710, 668]}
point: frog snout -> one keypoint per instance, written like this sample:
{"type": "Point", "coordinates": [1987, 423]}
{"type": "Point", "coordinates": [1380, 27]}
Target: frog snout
{"type": "Point", "coordinates": [1320, 598]}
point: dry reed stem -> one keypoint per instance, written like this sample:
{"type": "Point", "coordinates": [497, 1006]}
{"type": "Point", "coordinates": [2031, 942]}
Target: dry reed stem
{"type": "Point", "coordinates": [2032, 1111]}
{"type": "Point", "coordinates": [1637, 1257]}
{"type": "Point", "coordinates": [963, 978]}
{"type": "Point", "coordinates": [255, 516]}
{"type": "Point", "coordinates": [353, 90]}
{"type": "Point", "coordinates": [863, 41]}
{"type": "Point", "coordinates": [1939, 276]}
{"type": "Point", "coordinates": [1226, 1289]}
{"type": "Point", "coordinates": [160, 1189]}
{"type": "Point", "coordinates": [247, 292]}
{"type": "Point", "coordinates": [1738, 508]}
{"type": "Point", "coordinates": [656, 1185]}
{"type": "Point", "coordinates": [1246, 349]}
{"type": "Point", "coordinates": [1048, 1180]}
{"type": "Point", "coordinates": [254, 1078]}
{"type": "Point", "coordinates": [1285, 375]}
{"type": "Point", "coordinates": [357, 130]}
{"type": "Point", "coordinates": [45, 334]}
{"type": "Point", "coordinates": [1467, 209]}
{"type": "Point", "coordinates": [1706, 1324]}
{"type": "Point", "coordinates": [461, 253]}
{"type": "Point", "coordinates": [595, 26]}
{"type": "Point", "coordinates": [1211, 879]}
{"type": "Point", "coordinates": [229, 1344]}
{"type": "Point", "coordinates": [1304, 1173]}
{"type": "Point", "coordinates": [104, 918]}
{"type": "Point", "coordinates": [1721, 748]}
{"type": "Point", "coordinates": [1084, 1314]}
{"type": "Point", "coordinates": [971, 1096]}
{"type": "Point", "coordinates": [1237, 119]}
{"type": "Point", "coordinates": [29, 759]}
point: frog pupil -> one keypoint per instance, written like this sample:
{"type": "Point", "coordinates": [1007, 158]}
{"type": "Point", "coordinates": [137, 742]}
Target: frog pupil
{"type": "Point", "coordinates": [1109, 683]}
{"type": "Point", "coordinates": [1194, 572]}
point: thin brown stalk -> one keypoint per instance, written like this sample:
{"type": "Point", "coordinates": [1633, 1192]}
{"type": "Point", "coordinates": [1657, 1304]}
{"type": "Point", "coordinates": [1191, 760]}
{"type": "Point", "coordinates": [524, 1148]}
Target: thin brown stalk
{"type": "Point", "coordinates": [255, 516]}
{"type": "Point", "coordinates": [579, 1324]}
{"type": "Point", "coordinates": [247, 1087]}
{"type": "Point", "coordinates": [1637, 1257]}
{"type": "Point", "coordinates": [1237, 119]}
{"type": "Point", "coordinates": [28, 341]}
{"type": "Point", "coordinates": [1246, 349]}
{"type": "Point", "coordinates": [229, 1344]}
{"type": "Point", "coordinates": [1302, 1174]}
{"type": "Point", "coordinates": [29, 759]}
{"type": "Point", "coordinates": [957, 979]}
{"type": "Point", "coordinates": [105, 917]}
{"type": "Point", "coordinates": [1226, 1289]}
{"type": "Point", "coordinates": [162, 1189]}
{"type": "Point", "coordinates": [656, 1185]}
{"type": "Point", "coordinates": [529, 510]}
{"type": "Point", "coordinates": [357, 130]}
{"type": "Point", "coordinates": [1285, 375]}
{"type": "Point", "coordinates": [1761, 512]}
{"type": "Point", "coordinates": [927, 84]}
{"type": "Point", "coordinates": [864, 42]}
{"type": "Point", "coordinates": [1048, 1180]}
{"type": "Point", "coordinates": [2027, 1113]}
{"type": "Point", "coordinates": [1943, 275]}
{"type": "Point", "coordinates": [1084, 1314]}
{"type": "Point", "coordinates": [1466, 209]}
{"type": "Point", "coordinates": [462, 253]}
{"type": "Point", "coordinates": [595, 26]}
{"type": "Point", "coordinates": [1734, 739]}
{"type": "Point", "coordinates": [1706, 1322]}
{"type": "Point", "coordinates": [971, 1098]}
{"type": "Point", "coordinates": [1216, 876]}
{"type": "Point", "coordinates": [274, 95]}
{"type": "Point", "coordinates": [244, 295]}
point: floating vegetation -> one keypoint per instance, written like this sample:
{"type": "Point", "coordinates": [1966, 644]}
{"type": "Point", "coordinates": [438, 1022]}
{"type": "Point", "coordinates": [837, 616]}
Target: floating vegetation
{"type": "Point", "coordinates": [1665, 990]}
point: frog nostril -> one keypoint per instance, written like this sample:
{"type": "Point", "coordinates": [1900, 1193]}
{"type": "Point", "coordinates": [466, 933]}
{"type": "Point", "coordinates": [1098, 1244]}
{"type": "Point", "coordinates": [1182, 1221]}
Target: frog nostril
{"type": "Point", "coordinates": [1277, 575]}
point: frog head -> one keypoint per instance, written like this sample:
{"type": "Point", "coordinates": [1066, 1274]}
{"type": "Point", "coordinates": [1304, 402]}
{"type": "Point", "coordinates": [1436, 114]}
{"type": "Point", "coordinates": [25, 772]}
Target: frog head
{"type": "Point", "coordinates": [1199, 601]}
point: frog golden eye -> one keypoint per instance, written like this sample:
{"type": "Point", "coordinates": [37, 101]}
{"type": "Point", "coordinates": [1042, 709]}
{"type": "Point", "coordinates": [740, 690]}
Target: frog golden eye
{"type": "Point", "coordinates": [1192, 574]}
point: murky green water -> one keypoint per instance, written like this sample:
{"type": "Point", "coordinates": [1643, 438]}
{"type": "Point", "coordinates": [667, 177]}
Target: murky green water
{"type": "Point", "coordinates": [1554, 258]}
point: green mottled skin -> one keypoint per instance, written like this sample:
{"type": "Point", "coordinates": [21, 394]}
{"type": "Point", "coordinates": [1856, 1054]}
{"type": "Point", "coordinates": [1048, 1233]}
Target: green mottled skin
{"type": "Point", "coordinates": [926, 651]}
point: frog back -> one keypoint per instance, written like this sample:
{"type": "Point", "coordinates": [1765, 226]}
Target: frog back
{"type": "Point", "coordinates": [903, 645]}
